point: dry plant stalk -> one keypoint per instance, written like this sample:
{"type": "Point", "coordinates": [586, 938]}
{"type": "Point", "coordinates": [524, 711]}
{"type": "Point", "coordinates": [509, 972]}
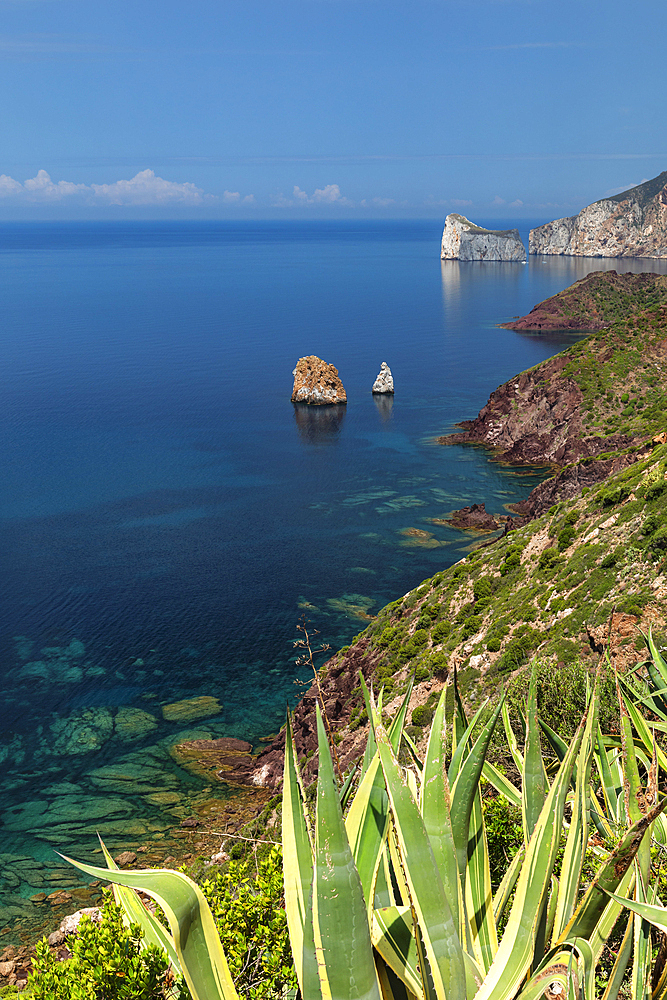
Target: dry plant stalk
{"type": "Point", "coordinates": [306, 659]}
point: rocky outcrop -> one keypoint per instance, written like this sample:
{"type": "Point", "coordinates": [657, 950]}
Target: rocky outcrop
{"type": "Point", "coordinates": [535, 419]}
{"type": "Point", "coordinates": [384, 383]}
{"type": "Point", "coordinates": [463, 240]}
{"type": "Point", "coordinates": [593, 302]}
{"type": "Point", "coordinates": [472, 518]}
{"type": "Point", "coordinates": [317, 383]}
{"type": "Point", "coordinates": [630, 224]}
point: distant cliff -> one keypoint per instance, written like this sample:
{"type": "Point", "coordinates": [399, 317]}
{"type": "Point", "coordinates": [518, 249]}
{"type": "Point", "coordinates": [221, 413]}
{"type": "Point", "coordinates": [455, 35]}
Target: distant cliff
{"type": "Point", "coordinates": [630, 224]}
{"type": "Point", "coordinates": [463, 240]}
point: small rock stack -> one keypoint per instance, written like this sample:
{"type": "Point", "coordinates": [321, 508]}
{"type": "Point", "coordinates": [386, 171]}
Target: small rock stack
{"type": "Point", "coordinates": [384, 383]}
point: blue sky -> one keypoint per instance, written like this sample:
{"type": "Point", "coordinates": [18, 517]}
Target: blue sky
{"type": "Point", "coordinates": [327, 108]}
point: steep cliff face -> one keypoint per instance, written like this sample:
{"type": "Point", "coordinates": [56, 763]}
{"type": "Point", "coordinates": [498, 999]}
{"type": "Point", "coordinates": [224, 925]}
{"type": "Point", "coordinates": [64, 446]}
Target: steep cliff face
{"type": "Point", "coordinates": [463, 240]}
{"type": "Point", "coordinates": [631, 224]}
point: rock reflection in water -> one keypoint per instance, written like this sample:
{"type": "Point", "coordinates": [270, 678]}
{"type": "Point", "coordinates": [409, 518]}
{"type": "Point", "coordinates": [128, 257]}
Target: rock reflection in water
{"type": "Point", "coordinates": [319, 424]}
{"type": "Point", "coordinates": [384, 403]}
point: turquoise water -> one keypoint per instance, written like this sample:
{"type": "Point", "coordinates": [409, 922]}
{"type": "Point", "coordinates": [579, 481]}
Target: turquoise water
{"type": "Point", "coordinates": [166, 513]}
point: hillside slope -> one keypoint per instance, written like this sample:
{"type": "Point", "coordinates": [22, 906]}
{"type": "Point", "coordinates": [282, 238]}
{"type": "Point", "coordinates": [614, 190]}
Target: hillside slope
{"type": "Point", "coordinates": [603, 394]}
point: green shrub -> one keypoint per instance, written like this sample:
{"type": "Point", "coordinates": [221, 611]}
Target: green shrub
{"type": "Point", "coordinates": [442, 631]}
{"type": "Point", "coordinates": [422, 716]}
{"type": "Point", "coordinates": [655, 490]}
{"type": "Point", "coordinates": [611, 559]}
{"type": "Point", "coordinates": [549, 558]}
{"type": "Point", "coordinates": [386, 636]}
{"type": "Point", "coordinates": [420, 638]}
{"type": "Point", "coordinates": [421, 674]}
{"type": "Point", "coordinates": [107, 962]}
{"type": "Point", "coordinates": [482, 588]}
{"type": "Point", "coordinates": [248, 907]}
{"type": "Point", "coordinates": [493, 644]}
{"type": "Point", "coordinates": [524, 641]}
{"type": "Point", "coordinates": [565, 537]}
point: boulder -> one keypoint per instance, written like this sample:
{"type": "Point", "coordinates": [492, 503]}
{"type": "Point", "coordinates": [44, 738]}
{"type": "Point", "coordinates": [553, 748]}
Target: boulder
{"type": "Point", "coordinates": [464, 240]}
{"type": "Point", "coordinates": [191, 708]}
{"type": "Point", "coordinates": [70, 923]}
{"type": "Point", "coordinates": [630, 224]}
{"type": "Point", "coordinates": [317, 383]}
{"type": "Point", "coordinates": [385, 380]}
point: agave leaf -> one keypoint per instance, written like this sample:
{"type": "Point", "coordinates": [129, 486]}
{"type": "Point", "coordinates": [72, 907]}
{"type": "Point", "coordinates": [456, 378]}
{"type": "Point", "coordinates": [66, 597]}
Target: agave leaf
{"type": "Point", "coordinates": [644, 732]}
{"type": "Point", "coordinates": [632, 786]}
{"type": "Point", "coordinates": [347, 786]}
{"type": "Point", "coordinates": [464, 790]}
{"type": "Point", "coordinates": [435, 808]}
{"type": "Point", "coordinates": [534, 782]}
{"type": "Point", "coordinates": [516, 950]}
{"type": "Point", "coordinates": [191, 922]}
{"type": "Point", "coordinates": [371, 748]}
{"type": "Point", "coordinates": [340, 922]}
{"type": "Point", "coordinates": [641, 953]}
{"type": "Point", "coordinates": [427, 893]}
{"type": "Point", "coordinates": [559, 967]}
{"type": "Point", "coordinates": [396, 728]}
{"type": "Point", "coordinates": [479, 893]}
{"type": "Point", "coordinates": [366, 824]}
{"type": "Point", "coordinates": [391, 987]}
{"type": "Point", "coordinates": [517, 756]}
{"type": "Point", "coordinates": [506, 887]}
{"type": "Point", "coordinates": [617, 973]}
{"type": "Point", "coordinates": [459, 753]}
{"type": "Point", "coordinates": [611, 786]}
{"type": "Point", "coordinates": [643, 699]}
{"type": "Point", "coordinates": [501, 783]}
{"type": "Point", "coordinates": [410, 744]}
{"type": "Point", "coordinates": [393, 937]}
{"type": "Point", "coordinates": [297, 854]}
{"type": "Point", "coordinates": [609, 877]}
{"type": "Point", "coordinates": [136, 913]}
{"type": "Point", "coordinates": [577, 836]}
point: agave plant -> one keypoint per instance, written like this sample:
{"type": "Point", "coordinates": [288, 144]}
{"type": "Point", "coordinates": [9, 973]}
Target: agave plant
{"type": "Point", "coordinates": [394, 900]}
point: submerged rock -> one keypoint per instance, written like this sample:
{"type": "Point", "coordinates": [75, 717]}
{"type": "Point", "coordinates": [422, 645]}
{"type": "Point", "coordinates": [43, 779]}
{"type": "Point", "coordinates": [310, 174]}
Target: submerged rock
{"type": "Point", "coordinates": [464, 240]}
{"type": "Point", "coordinates": [133, 724]}
{"type": "Point", "coordinates": [191, 708]}
{"type": "Point", "coordinates": [317, 383]}
{"type": "Point", "coordinates": [82, 732]}
{"type": "Point", "coordinates": [385, 380]}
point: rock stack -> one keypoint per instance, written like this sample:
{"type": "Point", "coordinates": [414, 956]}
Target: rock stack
{"type": "Point", "coordinates": [384, 383]}
{"type": "Point", "coordinates": [464, 240]}
{"type": "Point", "coordinates": [317, 383]}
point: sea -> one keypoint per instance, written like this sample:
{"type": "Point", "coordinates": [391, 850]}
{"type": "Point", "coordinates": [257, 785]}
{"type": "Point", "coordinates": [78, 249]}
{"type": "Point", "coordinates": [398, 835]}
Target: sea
{"type": "Point", "coordinates": [168, 517]}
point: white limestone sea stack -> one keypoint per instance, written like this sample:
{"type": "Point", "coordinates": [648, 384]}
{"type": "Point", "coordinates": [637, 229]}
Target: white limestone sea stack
{"type": "Point", "coordinates": [464, 240]}
{"type": "Point", "coordinates": [384, 383]}
{"type": "Point", "coordinates": [630, 224]}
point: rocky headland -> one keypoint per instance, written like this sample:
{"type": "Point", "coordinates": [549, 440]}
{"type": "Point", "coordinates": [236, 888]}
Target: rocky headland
{"type": "Point", "coordinates": [630, 224]}
{"type": "Point", "coordinates": [594, 302]}
{"type": "Point", "coordinates": [464, 240]}
{"type": "Point", "coordinates": [317, 383]}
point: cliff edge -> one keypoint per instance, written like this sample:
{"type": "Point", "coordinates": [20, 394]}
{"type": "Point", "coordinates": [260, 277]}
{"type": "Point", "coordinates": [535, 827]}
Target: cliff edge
{"type": "Point", "coordinates": [464, 240]}
{"type": "Point", "coordinates": [630, 224]}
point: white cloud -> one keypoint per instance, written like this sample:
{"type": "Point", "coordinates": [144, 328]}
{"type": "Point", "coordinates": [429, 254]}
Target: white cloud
{"type": "Point", "coordinates": [330, 194]}
{"type": "Point", "coordinates": [233, 196]}
{"type": "Point", "coordinates": [517, 203]}
{"type": "Point", "coordinates": [498, 200]}
{"type": "Point", "coordinates": [145, 188]}
{"type": "Point", "coordinates": [460, 202]}
{"type": "Point", "coordinates": [384, 202]}
{"type": "Point", "coordinates": [249, 199]}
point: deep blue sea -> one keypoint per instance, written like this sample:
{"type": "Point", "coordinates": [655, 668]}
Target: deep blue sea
{"type": "Point", "coordinates": [166, 513]}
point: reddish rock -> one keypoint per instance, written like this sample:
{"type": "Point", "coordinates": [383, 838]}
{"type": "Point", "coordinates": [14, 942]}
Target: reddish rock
{"type": "Point", "coordinates": [317, 383]}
